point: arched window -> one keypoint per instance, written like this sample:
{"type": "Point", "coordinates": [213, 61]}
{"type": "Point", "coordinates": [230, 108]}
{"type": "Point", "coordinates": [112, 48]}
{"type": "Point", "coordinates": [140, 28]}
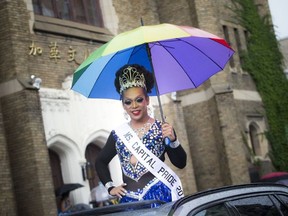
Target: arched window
{"type": "Point", "coordinates": [254, 138]}
{"type": "Point", "coordinates": [81, 11]}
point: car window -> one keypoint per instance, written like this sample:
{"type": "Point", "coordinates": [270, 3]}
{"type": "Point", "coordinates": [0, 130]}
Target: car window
{"type": "Point", "coordinates": [217, 210]}
{"type": "Point", "coordinates": [284, 208]}
{"type": "Point", "coordinates": [284, 199]}
{"type": "Point", "coordinates": [258, 205]}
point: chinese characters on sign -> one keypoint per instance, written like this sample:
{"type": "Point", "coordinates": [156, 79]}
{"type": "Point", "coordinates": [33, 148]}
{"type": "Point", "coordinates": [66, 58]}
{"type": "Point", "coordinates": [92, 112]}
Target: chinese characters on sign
{"type": "Point", "coordinates": [55, 54]}
{"type": "Point", "coordinates": [35, 50]}
{"type": "Point", "coordinates": [72, 55]}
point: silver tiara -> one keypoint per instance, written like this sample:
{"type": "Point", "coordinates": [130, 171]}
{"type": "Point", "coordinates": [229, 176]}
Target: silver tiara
{"type": "Point", "coordinates": [131, 78]}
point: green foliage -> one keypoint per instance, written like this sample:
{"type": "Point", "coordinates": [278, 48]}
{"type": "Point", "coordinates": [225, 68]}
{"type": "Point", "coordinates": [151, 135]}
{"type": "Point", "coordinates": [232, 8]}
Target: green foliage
{"type": "Point", "coordinates": [263, 61]}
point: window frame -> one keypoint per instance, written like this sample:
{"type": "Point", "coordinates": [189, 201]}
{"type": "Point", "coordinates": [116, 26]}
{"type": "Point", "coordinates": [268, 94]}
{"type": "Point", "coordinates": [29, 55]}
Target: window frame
{"type": "Point", "coordinates": [72, 11]}
{"type": "Point", "coordinates": [71, 29]}
{"type": "Point", "coordinates": [43, 25]}
{"type": "Point", "coordinates": [268, 196]}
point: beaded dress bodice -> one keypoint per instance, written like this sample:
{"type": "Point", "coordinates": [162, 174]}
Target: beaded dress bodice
{"type": "Point", "coordinates": [152, 140]}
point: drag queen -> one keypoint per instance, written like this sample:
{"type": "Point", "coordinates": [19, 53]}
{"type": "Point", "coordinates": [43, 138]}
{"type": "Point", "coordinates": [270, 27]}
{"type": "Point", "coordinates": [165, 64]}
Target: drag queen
{"type": "Point", "coordinates": [139, 145]}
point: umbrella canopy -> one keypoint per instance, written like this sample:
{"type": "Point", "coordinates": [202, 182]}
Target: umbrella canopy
{"type": "Point", "coordinates": [67, 188]}
{"type": "Point", "coordinates": [180, 57]}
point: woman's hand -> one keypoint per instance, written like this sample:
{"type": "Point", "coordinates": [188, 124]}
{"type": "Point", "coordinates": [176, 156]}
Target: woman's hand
{"type": "Point", "coordinates": [168, 131]}
{"type": "Point", "coordinates": [119, 191]}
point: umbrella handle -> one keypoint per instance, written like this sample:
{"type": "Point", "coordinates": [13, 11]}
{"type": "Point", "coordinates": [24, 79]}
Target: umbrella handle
{"type": "Point", "coordinates": [167, 141]}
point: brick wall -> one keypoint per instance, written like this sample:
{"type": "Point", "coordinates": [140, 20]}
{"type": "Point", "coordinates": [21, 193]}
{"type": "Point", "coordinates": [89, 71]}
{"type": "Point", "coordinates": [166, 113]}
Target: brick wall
{"type": "Point", "coordinates": [200, 127]}
{"type": "Point", "coordinates": [27, 149]}
{"type": "Point", "coordinates": [176, 12]}
{"type": "Point", "coordinates": [14, 34]}
{"type": "Point", "coordinates": [7, 198]}
{"type": "Point", "coordinates": [130, 13]}
{"type": "Point", "coordinates": [174, 115]}
{"type": "Point", "coordinates": [54, 71]}
{"type": "Point", "coordinates": [22, 120]}
{"type": "Point", "coordinates": [233, 141]}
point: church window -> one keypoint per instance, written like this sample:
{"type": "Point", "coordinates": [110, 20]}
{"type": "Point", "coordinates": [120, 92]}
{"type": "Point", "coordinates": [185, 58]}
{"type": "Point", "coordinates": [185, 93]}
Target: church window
{"type": "Point", "coordinates": [226, 36]}
{"type": "Point", "coordinates": [253, 133]}
{"type": "Point", "coordinates": [238, 43]}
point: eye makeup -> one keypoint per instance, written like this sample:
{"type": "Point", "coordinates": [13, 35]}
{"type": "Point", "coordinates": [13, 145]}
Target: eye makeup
{"type": "Point", "coordinates": [138, 100]}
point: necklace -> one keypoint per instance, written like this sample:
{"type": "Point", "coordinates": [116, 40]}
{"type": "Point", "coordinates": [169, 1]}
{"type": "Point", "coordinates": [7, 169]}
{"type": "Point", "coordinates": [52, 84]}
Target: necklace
{"type": "Point", "coordinates": [142, 130]}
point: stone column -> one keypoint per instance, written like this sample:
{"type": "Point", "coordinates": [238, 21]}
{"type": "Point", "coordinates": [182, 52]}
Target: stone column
{"type": "Point", "coordinates": [7, 198]}
{"type": "Point", "coordinates": [236, 165]}
{"type": "Point", "coordinates": [22, 117]}
{"type": "Point", "coordinates": [30, 166]}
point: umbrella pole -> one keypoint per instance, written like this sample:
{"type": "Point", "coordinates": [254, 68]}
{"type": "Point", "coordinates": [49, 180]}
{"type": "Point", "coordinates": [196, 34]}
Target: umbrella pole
{"type": "Point", "coordinates": [159, 101]}
{"type": "Point", "coordinates": [154, 77]}
{"type": "Point", "coordinates": [156, 85]}
{"type": "Point", "coordinates": [166, 139]}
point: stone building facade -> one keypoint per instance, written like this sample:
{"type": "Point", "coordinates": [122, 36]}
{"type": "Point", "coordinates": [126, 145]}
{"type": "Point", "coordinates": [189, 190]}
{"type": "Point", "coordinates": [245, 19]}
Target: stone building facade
{"type": "Point", "coordinates": [48, 133]}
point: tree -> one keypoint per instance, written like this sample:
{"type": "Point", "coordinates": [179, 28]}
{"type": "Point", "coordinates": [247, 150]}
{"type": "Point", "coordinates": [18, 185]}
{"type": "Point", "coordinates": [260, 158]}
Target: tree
{"type": "Point", "coordinates": [263, 61]}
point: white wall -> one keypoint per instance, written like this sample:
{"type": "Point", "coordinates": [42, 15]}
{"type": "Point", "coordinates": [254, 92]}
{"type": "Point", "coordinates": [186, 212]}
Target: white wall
{"type": "Point", "coordinates": [71, 122]}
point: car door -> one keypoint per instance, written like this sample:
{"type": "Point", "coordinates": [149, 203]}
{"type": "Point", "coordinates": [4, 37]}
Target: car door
{"type": "Point", "coordinates": [268, 205]}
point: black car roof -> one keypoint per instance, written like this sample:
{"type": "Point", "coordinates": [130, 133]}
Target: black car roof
{"type": "Point", "coordinates": [211, 195]}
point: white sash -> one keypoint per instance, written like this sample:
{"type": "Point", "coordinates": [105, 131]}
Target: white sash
{"type": "Point", "coordinates": [157, 167]}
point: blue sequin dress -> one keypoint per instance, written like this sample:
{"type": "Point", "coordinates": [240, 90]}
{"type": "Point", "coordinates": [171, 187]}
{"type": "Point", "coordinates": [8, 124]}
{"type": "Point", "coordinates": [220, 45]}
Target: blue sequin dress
{"type": "Point", "coordinates": [141, 184]}
{"type": "Point", "coordinates": [151, 188]}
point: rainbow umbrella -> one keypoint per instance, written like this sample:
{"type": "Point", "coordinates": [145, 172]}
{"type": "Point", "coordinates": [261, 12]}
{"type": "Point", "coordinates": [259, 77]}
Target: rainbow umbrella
{"type": "Point", "coordinates": [180, 57]}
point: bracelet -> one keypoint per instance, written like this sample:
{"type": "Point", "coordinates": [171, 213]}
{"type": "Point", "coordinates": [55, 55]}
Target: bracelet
{"type": "Point", "coordinates": [174, 144]}
{"type": "Point", "coordinates": [109, 185]}
{"type": "Point", "coordinates": [109, 189]}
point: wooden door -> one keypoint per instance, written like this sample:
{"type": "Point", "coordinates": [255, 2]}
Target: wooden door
{"type": "Point", "coordinates": [55, 164]}
{"type": "Point", "coordinates": [91, 154]}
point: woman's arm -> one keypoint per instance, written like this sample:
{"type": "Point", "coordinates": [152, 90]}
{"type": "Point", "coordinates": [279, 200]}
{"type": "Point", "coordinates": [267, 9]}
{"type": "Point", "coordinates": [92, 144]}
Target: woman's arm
{"type": "Point", "coordinates": [104, 158]}
{"type": "Point", "coordinates": [175, 151]}
{"type": "Point", "coordinates": [177, 156]}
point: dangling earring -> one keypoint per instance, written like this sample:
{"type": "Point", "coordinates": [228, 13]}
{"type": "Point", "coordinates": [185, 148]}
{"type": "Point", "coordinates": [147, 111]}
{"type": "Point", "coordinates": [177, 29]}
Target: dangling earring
{"type": "Point", "coordinates": [126, 116]}
{"type": "Point", "coordinates": [149, 111]}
